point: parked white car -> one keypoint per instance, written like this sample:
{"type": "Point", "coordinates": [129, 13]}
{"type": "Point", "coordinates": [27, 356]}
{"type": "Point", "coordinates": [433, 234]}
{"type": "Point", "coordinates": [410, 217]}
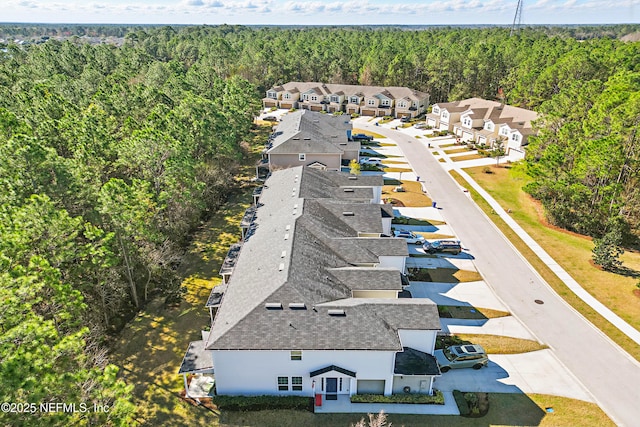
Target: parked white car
{"type": "Point", "coordinates": [410, 236]}
{"type": "Point", "coordinates": [370, 161]}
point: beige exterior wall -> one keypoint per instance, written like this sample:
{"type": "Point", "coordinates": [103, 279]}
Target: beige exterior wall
{"type": "Point", "coordinates": [375, 294]}
{"type": "Point", "coordinates": [375, 104]}
{"type": "Point", "coordinates": [350, 155]}
{"type": "Point", "coordinates": [295, 96]}
{"type": "Point", "coordinates": [289, 160]}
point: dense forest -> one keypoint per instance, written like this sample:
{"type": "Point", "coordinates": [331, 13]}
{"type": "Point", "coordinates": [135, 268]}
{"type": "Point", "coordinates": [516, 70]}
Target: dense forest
{"type": "Point", "coordinates": [110, 156]}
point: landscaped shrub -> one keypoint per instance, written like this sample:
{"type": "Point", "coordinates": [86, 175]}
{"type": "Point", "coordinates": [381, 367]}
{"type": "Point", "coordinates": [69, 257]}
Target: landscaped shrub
{"type": "Point", "coordinates": [369, 167]}
{"type": "Point", "coordinates": [259, 403]}
{"type": "Point", "coordinates": [273, 108]}
{"type": "Point", "coordinates": [436, 399]}
{"type": "Point", "coordinates": [463, 406]}
{"type": "Point", "coordinates": [474, 404]}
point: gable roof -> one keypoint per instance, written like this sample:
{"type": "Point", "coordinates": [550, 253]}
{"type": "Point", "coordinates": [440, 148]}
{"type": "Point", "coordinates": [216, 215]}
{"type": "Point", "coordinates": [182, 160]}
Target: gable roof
{"type": "Point", "coordinates": [306, 131]}
{"type": "Point", "coordinates": [302, 252]}
{"type": "Point", "coordinates": [332, 368]}
{"type": "Point", "coordinates": [392, 92]}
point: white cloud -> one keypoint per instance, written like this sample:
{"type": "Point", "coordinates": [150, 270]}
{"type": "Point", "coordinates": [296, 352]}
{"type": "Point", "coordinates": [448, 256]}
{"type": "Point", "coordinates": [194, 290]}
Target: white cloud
{"type": "Point", "coordinates": [339, 12]}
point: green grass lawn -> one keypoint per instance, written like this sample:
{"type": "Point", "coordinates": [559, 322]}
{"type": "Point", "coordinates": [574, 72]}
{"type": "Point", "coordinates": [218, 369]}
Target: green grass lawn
{"type": "Point", "coordinates": [412, 196]}
{"type": "Point", "coordinates": [492, 344]}
{"type": "Point", "coordinates": [366, 132]}
{"type": "Point", "coordinates": [456, 150]}
{"type": "Point", "coordinates": [570, 250]}
{"type": "Point", "coordinates": [467, 157]}
{"type": "Point", "coordinates": [505, 409]}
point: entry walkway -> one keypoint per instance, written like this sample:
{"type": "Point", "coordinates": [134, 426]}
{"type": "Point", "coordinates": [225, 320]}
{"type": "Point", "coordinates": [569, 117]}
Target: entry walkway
{"type": "Point", "coordinates": [344, 406]}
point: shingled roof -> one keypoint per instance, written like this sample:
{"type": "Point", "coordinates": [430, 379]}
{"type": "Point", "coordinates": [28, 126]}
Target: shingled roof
{"type": "Point", "coordinates": [306, 131]}
{"type": "Point", "coordinates": [393, 92]}
{"type": "Point", "coordinates": [293, 281]}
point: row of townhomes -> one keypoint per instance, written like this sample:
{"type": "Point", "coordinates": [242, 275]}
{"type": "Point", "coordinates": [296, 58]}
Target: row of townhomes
{"type": "Point", "coordinates": [307, 138]}
{"type": "Point", "coordinates": [484, 122]}
{"type": "Point", "coordinates": [312, 302]}
{"type": "Point", "coordinates": [364, 100]}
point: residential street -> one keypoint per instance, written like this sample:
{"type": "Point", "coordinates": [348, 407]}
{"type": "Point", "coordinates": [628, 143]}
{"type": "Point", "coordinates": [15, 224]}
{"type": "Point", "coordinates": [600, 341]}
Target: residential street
{"type": "Point", "coordinates": [612, 376]}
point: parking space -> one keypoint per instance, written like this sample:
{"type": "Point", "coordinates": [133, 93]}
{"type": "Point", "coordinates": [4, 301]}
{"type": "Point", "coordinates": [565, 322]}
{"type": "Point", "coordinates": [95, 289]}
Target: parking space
{"type": "Point", "coordinates": [534, 372]}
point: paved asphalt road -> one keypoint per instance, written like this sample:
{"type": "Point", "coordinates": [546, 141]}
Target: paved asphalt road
{"type": "Point", "coordinates": [611, 375]}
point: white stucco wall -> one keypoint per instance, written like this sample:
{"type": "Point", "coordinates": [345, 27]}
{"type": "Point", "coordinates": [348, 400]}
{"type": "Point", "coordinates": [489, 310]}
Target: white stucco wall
{"type": "Point", "coordinates": [257, 372]}
{"type": "Point", "coordinates": [386, 226]}
{"type": "Point", "coordinates": [424, 341]}
{"type": "Point", "coordinates": [397, 262]}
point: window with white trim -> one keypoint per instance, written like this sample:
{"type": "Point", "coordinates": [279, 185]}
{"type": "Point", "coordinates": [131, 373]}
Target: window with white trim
{"type": "Point", "coordinates": [340, 384]}
{"type": "Point", "coordinates": [402, 104]}
{"type": "Point", "coordinates": [445, 115]}
{"type": "Point", "coordinates": [296, 383]}
{"type": "Point", "coordinates": [515, 137]}
{"type": "Point", "coordinates": [385, 102]}
{"type": "Point", "coordinates": [435, 110]}
{"type": "Point", "coordinates": [296, 354]}
{"type": "Point", "coordinates": [302, 157]}
{"type": "Point", "coordinates": [467, 121]}
{"type": "Point", "coordinates": [287, 96]}
{"type": "Point", "coordinates": [283, 383]}
{"type": "Point", "coordinates": [488, 126]}
{"type": "Point", "coordinates": [354, 100]}
{"type": "Point", "coordinates": [334, 98]}
{"type": "Point", "coordinates": [371, 102]}
{"type": "Point", "coordinates": [314, 98]}
{"type": "Point", "coordinates": [504, 131]}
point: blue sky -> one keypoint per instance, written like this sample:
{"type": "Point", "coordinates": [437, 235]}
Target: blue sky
{"type": "Point", "coordinates": [317, 12]}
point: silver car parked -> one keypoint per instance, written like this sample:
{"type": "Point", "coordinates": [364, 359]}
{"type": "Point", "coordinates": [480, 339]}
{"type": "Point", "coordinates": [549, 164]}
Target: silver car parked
{"type": "Point", "coordinates": [461, 356]}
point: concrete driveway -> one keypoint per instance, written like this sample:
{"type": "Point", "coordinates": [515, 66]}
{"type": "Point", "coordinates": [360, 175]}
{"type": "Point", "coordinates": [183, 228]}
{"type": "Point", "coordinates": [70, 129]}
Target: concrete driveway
{"type": "Point", "coordinates": [584, 349]}
{"type": "Point", "coordinates": [534, 372]}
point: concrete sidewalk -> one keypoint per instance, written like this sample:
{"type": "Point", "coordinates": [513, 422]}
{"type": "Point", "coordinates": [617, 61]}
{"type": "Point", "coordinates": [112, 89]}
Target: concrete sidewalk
{"type": "Point", "coordinates": [571, 283]}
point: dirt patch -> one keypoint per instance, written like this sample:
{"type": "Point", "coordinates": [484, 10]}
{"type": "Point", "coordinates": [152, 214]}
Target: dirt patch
{"type": "Point", "coordinates": [636, 292]}
{"type": "Point", "coordinates": [596, 266]}
{"type": "Point", "coordinates": [395, 202]}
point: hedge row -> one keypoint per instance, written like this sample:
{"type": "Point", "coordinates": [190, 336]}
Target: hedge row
{"type": "Point", "coordinates": [436, 399]}
{"type": "Point", "coordinates": [259, 403]}
{"type": "Point", "coordinates": [463, 406]}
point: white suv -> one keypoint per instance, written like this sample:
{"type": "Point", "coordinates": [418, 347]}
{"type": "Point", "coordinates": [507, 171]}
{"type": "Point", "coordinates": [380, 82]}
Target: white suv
{"type": "Point", "coordinates": [410, 236]}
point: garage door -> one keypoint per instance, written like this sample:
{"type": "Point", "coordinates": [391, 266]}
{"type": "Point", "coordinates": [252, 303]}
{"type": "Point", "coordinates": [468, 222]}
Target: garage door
{"type": "Point", "coordinates": [368, 112]}
{"type": "Point", "coordinates": [316, 108]}
{"type": "Point", "coordinates": [370, 386]}
{"type": "Point", "coordinates": [467, 136]}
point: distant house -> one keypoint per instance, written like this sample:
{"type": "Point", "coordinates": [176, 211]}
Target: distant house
{"type": "Point", "coordinates": [312, 306]}
{"type": "Point", "coordinates": [484, 122]}
{"type": "Point", "coordinates": [364, 100]}
{"type": "Point", "coordinates": [307, 138]}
